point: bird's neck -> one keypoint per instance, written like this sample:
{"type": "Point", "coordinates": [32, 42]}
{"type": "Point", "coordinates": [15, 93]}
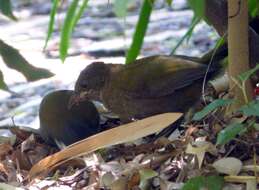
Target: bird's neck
{"type": "Point", "coordinates": [114, 68]}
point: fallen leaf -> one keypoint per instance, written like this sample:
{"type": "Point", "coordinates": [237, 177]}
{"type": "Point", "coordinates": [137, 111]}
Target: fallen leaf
{"type": "Point", "coordinates": [5, 149]}
{"type": "Point", "coordinates": [119, 184]}
{"type": "Point", "coordinates": [121, 134]}
{"type": "Point", "coordinates": [199, 150]}
{"type": "Point", "coordinates": [9, 187]}
{"type": "Point", "coordinates": [229, 165]}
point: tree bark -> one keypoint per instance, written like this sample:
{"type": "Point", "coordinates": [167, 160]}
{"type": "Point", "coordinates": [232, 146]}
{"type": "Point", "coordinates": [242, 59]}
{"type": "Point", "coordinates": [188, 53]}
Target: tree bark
{"type": "Point", "coordinates": [216, 12]}
{"type": "Point", "coordinates": [238, 49]}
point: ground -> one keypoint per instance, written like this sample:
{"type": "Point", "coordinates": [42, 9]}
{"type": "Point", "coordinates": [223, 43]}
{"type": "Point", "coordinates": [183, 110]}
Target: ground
{"type": "Point", "coordinates": [164, 163]}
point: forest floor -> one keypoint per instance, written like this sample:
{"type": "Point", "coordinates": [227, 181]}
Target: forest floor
{"type": "Point", "coordinates": [162, 164]}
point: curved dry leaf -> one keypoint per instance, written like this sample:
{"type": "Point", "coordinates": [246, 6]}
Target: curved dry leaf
{"type": "Point", "coordinates": [121, 134]}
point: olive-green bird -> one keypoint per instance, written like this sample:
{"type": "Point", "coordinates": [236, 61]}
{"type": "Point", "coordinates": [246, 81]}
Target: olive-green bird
{"type": "Point", "coordinates": [63, 126]}
{"type": "Point", "coordinates": [147, 86]}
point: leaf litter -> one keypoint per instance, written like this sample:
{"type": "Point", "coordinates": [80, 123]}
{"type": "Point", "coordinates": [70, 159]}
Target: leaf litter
{"type": "Point", "coordinates": [147, 164]}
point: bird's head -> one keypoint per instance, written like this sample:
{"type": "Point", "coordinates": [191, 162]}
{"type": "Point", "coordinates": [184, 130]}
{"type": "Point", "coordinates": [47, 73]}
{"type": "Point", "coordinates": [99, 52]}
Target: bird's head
{"type": "Point", "coordinates": [91, 80]}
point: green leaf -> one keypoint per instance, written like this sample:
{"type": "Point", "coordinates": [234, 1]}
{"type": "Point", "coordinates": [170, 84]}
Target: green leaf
{"type": "Point", "coordinates": [2, 82]}
{"type": "Point", "coordinates": [120, 8]}
{"type": "Point", "coordinates": [195, 183]}
{"type": "Point", "coordinates": [256, 126]}
{"type": "Point", "coordinates": [169, 2]}
{"type": "Point", "coordinates": [140, 31]}
{"type": "Point", "coordinates": [72, 17]}
{"type": "Point", "coordinates": [67, 30]}
{"type": "Point", "coordinates": [188, 34]}
{"type": "Point", "coordinates": [53, 12]}
{"type": "Point", "coordinates": [201, 182]}
{"type": "Point", "coordinates": [210, 107]}
{"type": "Point", "coordinates": [229, 133]}
{"type": "Point", "coordinates": [246, 75]}
{"type": "Point", "coordinates": [15, 60]}
{"type": "Point", "coordinates": [79, 13]}
{"type": "Point", "coordinates": [198, 7]}
{"type": "Point", "coordinates": [214, 182]}
{"type": "Point", "coordinates": [251, 109]}
{"type": "Point", "coordinates": [6, 9]}
{"type": "Point", "coordinates": [253, 7]}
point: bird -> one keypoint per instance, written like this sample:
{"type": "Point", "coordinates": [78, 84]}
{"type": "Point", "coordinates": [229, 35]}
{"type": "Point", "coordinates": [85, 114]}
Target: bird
{"type": "Point", "coordinates": [145, 87]}
{"type": "Point", "coordinates": [62, 126]}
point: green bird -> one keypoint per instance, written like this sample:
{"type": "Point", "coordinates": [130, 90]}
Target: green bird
{"type": "Point", "coordinates": [147, 86]}
{"type": "Point", "coordinates": [63, 126]}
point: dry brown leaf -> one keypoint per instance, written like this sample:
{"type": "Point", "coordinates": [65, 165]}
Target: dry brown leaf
{"type": "Point", "coordinates": [38, 153]}
{"type": "Point", "coordinates": [134, 180]}
{"type": "Point", "coordinates": [10, 170]}
{"type": "Point", "coordinates": [119, 184]}
{"type": "Point", "coordinates": [28, 144]}
{"type": "Point", "coordinates": [22, 159]}
{"type": "Point", "coordinates": [121, 134]}
{"type": "Point", "coordinates": [5, 149]}
{"type": "Point", "coordinates": [3, 171]}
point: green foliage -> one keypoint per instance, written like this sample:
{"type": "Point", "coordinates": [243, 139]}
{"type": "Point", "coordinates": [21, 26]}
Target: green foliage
{"type": "Point", "coordinates": [6, 9]}
{"type": "Point", "coordinates": [229, 133]}
{"type": "Point", "coordinates": [188, 34]}
{"type": "Point", "coordinates": [70, 22]}
{"type": "Point", "coordinates": [15, 60]}
{"type": "Point", "coordinates": [214, 182]}
{"type": "Point", "coordinates": [251, 109]}
{"type": "Point", "coordinates": [120, 8]}
{"type": "Point", "coordinates": [80, 12]}
{"type": "Point", "coordinates": [210, 107]}
{"type": "Point", "coordinates": [198, 8]}
{"type": "Point", "coordinates": [240, 81]}
{"type": "Point", "coordinates": [253, 6]}
{"type": "Point", "coordinates": [67, 30]}
{"type": "Point", "coordinates": [169, 2]}
{"type": "Point", "coordinates": [199, 13]}
{"type": "Point", "coordinates": [2, 83]}
{"type": "Point", "coordinates": [140, 30]}
{"type": "Point", "coordinates": [243, 77]}
{"type": "Point", "coordinates": [201, 182]}
{"type": "Point", "coordinates": [53, 12]}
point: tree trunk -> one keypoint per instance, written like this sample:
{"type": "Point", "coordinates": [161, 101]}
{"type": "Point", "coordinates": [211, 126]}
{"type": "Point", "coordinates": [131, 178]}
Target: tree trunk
{"type": "Point", "coordinates": [238, 49]}
{"type": "Point", "coordinates": [216, 14]}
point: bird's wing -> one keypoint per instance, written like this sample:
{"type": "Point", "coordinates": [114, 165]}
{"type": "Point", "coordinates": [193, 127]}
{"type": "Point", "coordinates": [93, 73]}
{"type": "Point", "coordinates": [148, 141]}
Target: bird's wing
{"type": "Point", "coordinates": [75, 130]}
{"type": "Point", "coordinates": [158, 77]}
